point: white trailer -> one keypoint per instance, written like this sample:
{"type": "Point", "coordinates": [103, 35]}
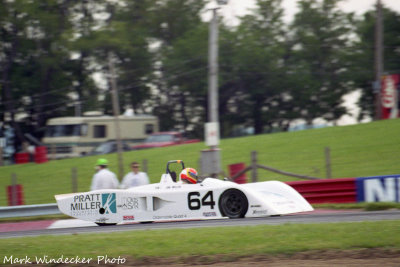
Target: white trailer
{"type": "Point", "coordinates": [76, 136]}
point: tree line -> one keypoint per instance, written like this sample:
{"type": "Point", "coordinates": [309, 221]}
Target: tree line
{"type": "Point", "coordinates": [271, 72]}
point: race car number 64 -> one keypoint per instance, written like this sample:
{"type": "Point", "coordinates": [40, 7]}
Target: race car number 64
{"type": "Point", "coordinates": [195, 203]}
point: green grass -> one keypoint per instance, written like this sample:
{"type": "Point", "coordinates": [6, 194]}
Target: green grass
{"type": "Point", "coordinates": [239, 241]}
{"type": "Point", "coordinates": [356, 151]}
{"type": "Point", "coordinates": [349, 206]}
{"type": "Point", "coordinates": [362, 206]}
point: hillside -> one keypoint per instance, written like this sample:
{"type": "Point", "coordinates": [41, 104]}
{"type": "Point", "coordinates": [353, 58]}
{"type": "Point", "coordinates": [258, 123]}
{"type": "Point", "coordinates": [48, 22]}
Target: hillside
{"type": "Point", "coordinates": [357, 150]}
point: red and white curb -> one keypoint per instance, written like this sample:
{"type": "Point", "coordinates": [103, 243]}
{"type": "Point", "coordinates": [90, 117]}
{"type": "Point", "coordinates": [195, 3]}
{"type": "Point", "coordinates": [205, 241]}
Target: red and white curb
{"type": "Point", "coordinates": [25, 226]}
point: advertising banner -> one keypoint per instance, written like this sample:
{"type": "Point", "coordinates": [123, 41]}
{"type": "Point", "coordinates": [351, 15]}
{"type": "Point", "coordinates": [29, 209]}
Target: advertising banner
{"type": "Point", "coordinates": [378, 188]}
{"type": "Point", "coordinates": [390, 96]}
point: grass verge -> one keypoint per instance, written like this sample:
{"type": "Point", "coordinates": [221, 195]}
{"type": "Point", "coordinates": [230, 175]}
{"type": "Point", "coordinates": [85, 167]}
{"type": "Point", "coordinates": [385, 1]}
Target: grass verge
{"type": "Point", "coordinates": [363, 206]}
{"type": "Point", "coordinates": [240, 241]}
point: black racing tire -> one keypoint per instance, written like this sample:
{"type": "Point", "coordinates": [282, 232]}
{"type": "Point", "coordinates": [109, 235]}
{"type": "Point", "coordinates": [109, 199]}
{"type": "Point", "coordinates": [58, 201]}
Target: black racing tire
{"type": "Point", "coordinates": [233, 203]}
{"type": "Point", "coordinates": [105, 224]}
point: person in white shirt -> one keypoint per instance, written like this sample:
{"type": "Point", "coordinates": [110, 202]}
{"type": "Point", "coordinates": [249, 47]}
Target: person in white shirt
{"type": "Point", "coordinates": [103, 178]}
{"type": "Point", "coordinates": [135, 177]}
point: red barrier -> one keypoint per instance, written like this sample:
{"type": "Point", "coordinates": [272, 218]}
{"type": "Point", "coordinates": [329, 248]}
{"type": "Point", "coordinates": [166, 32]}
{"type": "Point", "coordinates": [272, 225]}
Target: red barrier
{"type": "Point", "coordinates": [327, 190]}
{"type": "Point", "coordinates": [16, 197]}
{"type": "Point", "coordinates": [235, 168]}
{"type": "Point", "coordinates": [40, 154]}
{"type": "Point", "coordinates": [21, 158]}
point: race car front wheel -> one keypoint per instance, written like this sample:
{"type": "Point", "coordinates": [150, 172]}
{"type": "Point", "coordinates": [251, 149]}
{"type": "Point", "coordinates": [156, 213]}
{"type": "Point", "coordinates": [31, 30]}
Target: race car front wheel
{"type": "Point", "coordinates": [233, 204]}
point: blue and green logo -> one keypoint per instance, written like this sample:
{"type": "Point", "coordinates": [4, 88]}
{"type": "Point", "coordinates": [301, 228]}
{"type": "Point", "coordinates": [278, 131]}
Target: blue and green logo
{"type": "Point", "coordinates": [109, 203]}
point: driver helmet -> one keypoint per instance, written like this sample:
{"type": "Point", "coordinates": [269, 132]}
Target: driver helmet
{"type": "Point", "coordinates": [188, 175]}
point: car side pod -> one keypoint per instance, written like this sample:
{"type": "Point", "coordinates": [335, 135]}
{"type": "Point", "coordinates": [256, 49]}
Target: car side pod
{"type": "Point", "coordinates": [278, 197]}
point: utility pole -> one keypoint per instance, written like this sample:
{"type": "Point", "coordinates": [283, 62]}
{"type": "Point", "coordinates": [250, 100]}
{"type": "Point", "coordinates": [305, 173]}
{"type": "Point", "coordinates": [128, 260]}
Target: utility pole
{"type": "Point", "coordinates": [211, 159]}
{"type": "Point", "coordinates": [378, 59]}
{"type": "Point", "coordinates": [115, 104]}
{"type": "Point", "coordinates": [213, 68]}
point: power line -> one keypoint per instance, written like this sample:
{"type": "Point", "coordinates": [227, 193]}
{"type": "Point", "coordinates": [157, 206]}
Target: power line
{"type": "Point", "coordinates": [88, 98]}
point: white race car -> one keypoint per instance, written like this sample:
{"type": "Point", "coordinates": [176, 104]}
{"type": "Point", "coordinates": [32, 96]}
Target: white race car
{"type": "Point", "coordinates": [170, 200]}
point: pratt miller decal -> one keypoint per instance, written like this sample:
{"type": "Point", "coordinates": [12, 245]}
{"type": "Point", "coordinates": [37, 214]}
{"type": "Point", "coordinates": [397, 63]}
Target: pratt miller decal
{"type": "Point", "coordinates": [86, 202]}
{"type": "Point", "coordinates": [90, 203]}
{"type": "Point", "coordinates": [109, 203]}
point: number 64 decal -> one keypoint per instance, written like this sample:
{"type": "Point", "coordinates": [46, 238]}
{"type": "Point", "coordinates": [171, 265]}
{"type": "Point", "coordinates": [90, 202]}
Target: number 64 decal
{"type": "Point", "coordinates": [195, 203]}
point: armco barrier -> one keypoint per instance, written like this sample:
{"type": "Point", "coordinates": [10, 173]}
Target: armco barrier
{"type": "Point", "coordinates": [327, 190]}
{"type": "Point", "coordinates": [29, 210]}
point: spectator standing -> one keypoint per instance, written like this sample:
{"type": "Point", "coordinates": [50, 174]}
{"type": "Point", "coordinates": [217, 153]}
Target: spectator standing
{"type": "Point", "coordinates": [135, 177]}
{"type": "Point", "coordinates": [103, 178]}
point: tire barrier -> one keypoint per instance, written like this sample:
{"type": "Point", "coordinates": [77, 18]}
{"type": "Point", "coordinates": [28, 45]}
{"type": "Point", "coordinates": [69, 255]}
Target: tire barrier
{"type": "Point", "coordinates": [21, 158]}
{"type": "Point", "coordinates": [236, 168]}
{"type": "Point", "coordinates": [40, 154]}
{"type": "Point", "coordinates": [15, 195]}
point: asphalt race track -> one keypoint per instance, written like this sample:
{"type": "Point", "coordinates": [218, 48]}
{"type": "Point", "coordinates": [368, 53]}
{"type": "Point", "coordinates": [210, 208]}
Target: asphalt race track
{"type": "Point", "coordinates": [312, 217]}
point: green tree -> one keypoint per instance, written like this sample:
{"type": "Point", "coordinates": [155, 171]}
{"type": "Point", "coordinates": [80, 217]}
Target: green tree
{"type": "Point", "coordinates": [319, 63]}
{"type": "Point", "coordinates": [179, 62]}
{"type": "Point", "coordinates": [82, 15]}
{"type": "Point", "coordinates": [257, 66]}
{"type": "Point", "coordinates": [120, 31]}
{"type": "Point", "coordinates": [364, 54]}
{"type": "Point", "coordinates": [34, 67]}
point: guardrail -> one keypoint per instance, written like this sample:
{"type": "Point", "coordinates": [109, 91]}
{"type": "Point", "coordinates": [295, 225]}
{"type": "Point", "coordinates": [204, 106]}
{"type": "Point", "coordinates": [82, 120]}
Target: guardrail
{"type": "Point", "coordinates": [327, 190]}
{"type": "Point", "coordinates": [29, 210]}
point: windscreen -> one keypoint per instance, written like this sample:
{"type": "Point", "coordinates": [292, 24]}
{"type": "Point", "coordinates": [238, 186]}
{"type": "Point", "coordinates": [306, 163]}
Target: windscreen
{"type": "Point", "coordinates": [66, 130]}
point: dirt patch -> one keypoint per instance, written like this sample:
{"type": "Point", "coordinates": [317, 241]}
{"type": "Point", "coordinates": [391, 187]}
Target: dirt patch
{"type": "Point", "coordinates": [356, 257]}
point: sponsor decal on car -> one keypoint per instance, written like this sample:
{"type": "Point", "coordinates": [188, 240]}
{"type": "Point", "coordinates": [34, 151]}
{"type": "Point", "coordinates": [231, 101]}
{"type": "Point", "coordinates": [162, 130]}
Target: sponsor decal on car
{"type": "Point", "coordinates": [128, 218]}
{"type": "Point", "coordinates": [90, 204]}
{"type": "Point", "coordinates": [210, 214]}
{"type": "Point", "coordinates": [255, 206]}
{"type": "Point", "coordinates": [129, 203]}
{"type": "Point", "coordinates": [168, 217]}
{"type": "Point", "coordinates": [84, 212]}
{"type": "Point", "coordinates": [86, 202]}
{"type": "Point", "coordinates": [109, 203]}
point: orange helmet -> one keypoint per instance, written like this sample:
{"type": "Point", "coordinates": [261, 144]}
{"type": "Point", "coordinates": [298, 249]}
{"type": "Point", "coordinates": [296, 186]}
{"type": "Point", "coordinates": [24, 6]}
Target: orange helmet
{"type": "Point", "coordinates": [188, 175]}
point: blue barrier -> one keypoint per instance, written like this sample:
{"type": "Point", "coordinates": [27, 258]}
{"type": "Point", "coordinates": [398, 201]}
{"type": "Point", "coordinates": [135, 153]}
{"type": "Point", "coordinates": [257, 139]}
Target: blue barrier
{"type": "Point", "coordinates": [378, 188]}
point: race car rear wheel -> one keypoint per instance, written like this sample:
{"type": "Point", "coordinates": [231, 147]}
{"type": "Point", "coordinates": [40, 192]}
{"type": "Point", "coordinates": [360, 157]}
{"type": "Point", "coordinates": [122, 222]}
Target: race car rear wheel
{"type": "Point", "coordinates": [233, 204]}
